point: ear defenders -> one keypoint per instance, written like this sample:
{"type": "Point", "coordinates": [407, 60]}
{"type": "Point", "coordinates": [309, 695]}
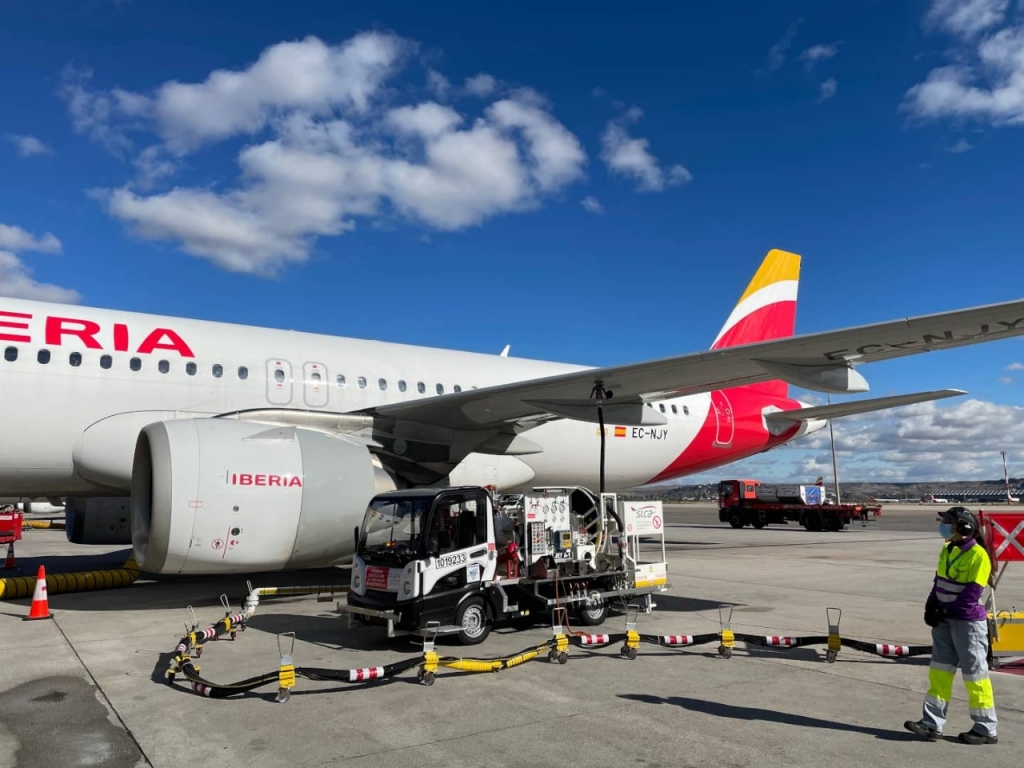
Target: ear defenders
{"type": "Point", "coordinates": [963, 521]}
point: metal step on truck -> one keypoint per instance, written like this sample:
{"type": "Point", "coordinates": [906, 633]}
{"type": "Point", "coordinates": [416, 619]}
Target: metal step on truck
{"type": "Point", "coordinates": [459, 558]}
{"type": "Point", "coordinates": [749, 502]}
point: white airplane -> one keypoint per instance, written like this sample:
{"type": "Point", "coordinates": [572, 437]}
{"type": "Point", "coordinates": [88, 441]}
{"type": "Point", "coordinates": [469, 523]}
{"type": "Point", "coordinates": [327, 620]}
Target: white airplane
{"type": "Point", "coordinates": [217, 448]}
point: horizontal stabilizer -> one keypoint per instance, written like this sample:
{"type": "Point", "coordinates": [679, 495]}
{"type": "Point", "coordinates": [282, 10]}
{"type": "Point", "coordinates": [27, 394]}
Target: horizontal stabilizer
{"type": "Point", "coordinates": [860, 406]}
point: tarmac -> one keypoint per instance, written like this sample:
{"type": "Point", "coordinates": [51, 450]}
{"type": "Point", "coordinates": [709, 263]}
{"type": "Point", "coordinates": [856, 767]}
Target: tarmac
{"type": "Point", "coordinates": [87, 687]}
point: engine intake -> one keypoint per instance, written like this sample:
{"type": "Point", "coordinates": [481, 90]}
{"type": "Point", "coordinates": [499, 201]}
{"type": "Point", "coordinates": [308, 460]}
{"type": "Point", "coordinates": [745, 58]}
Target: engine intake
{"type": "Point", "coordinates": [218, 496]}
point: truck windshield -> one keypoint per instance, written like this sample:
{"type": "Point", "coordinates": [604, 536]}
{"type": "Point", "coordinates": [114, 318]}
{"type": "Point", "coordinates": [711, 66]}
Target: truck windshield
{"type": "Point", "coordinates": [393, 524]}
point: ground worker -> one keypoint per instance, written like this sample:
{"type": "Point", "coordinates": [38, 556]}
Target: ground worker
{"type": "Point", "coordinates": [959, 623]}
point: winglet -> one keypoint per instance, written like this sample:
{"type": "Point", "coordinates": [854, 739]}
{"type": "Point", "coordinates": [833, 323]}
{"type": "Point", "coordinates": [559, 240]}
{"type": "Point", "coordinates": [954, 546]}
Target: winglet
{"type": "Point", "coordinates": [504, 352]}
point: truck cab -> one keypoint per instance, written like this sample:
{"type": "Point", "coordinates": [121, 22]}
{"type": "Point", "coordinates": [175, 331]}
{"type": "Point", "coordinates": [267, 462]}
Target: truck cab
{"type": "Point", "coordinates": [428, 550]}
{"type": "Point", "coordinates": [732, 493]}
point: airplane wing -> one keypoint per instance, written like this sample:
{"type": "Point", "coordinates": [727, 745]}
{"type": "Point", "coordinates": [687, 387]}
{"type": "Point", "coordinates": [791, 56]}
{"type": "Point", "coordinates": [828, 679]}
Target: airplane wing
{"type": "Point", "coordinates": [787, 418]}
{"type": "Point", "coordinates": [819, 361]}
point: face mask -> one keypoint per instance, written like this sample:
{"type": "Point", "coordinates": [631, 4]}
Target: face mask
{"type": "Point", "coordinates": [946, 530]}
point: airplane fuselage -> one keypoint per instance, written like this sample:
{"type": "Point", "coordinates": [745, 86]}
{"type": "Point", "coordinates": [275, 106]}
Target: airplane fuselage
{"type": "Point", "coordinates": [78, 384]}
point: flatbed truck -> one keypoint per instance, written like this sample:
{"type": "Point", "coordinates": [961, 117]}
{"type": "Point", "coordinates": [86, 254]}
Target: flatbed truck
{"type": "Point", "coordinates": [749, 502]}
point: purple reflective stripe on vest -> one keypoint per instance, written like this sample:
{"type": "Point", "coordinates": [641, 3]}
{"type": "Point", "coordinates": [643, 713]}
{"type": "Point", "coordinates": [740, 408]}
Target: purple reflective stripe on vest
{"type": "Point", "coordinates": [959, 600]}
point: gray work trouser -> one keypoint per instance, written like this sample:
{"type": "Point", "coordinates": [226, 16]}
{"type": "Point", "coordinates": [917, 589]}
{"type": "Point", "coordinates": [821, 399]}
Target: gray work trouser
{"type": "Point", "coordinates": [962, 644]}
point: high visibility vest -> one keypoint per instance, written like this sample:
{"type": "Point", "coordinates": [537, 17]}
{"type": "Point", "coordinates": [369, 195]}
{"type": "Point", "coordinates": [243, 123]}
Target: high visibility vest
{"type": "Point", "coordinates": [960, 581]}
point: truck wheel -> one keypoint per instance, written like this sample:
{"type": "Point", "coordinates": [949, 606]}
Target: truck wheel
{"type": "Point", "coordinates": [594, 610]}
{"type": "Point", "coordinates": [759, 524]}
{"type": "Point", "coordinates": [812, 521]}
{"type": "Point", "coordinates": [472, 618]}
{"type": "Point", "coordinates": [735, 517]}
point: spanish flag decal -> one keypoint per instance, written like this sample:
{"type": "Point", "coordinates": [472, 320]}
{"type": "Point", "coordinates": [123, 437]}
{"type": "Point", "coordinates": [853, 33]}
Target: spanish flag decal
{"type": "Point", "coordinates": [620, 431]}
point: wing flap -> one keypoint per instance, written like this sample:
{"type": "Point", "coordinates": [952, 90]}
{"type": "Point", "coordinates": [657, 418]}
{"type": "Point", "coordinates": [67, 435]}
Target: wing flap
{"type": "Point", "coordinates": [837, 410]}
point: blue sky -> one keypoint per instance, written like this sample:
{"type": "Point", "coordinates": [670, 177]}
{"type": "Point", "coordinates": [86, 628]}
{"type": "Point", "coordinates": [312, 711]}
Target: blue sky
{"type": "Point", "coordinates": [584, 182]}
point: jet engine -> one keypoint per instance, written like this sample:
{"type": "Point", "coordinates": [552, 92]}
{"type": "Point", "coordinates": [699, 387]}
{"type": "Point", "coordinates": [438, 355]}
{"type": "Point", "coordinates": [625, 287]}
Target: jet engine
{"type": "Point", "coordinates": [223, 496]}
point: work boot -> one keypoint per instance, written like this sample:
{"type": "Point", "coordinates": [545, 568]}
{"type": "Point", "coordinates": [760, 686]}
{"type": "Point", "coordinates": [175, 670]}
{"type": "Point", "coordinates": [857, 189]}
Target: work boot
{"type": "Point", "coordinates": [924, 731]}
{"type": "Point", "coordinates": [973, 737]}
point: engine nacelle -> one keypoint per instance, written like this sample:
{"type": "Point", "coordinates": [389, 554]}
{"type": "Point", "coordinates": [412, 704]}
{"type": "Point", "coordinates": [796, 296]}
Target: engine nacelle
{"type": "Point", "coordinates": [224, 496]}
{"type": "Point", "coordinates": [105, 520]}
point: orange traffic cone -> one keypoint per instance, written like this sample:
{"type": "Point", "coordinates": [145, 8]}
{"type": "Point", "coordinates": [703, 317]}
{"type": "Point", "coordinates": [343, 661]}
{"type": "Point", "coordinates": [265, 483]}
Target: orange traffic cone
{"type": "Point", "coordinates": [40, 603]}
{"type": "Point", "coordinates": [10, 557]}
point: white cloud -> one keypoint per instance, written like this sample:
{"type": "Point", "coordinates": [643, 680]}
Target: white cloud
{"type": "Point", "coordinates": [329, 144]}
{"type": "Point", "coordinates": [777, 53]}
{"type": "Point", "coordinates": [308, 76]}
{"type": "Point", "coordinates": [481, 85]}
{"type": "Point", "coordinates": [427, 120]}
{"type": "Point", "coordinates": [592, 204]}
{"type": "Point", "coordinates": [16, 278]}
{"type": "Point", "coordinates": [29, 145]}
{"type": "Point", "coordinates": [153, 165]}
{"type": "Point", "coordinates": [963, 145]}
{"type": "Point", "coordinates": [1005, 380]}
{"type": "Point", "coordinates": [965, 17]}
{"type": "Point", "coordinates": [916, 443]}
{"type": "Point", "coordinates": [438, 84]}
{"type": "Point", "coordinates": [92, 113]}
{"type": "Point", "coordinates": [827, 89]}
{"type": "Point", "coordinates": [556, 157]}
{"type": "Point", "coordinates": [985, 82]}
{"type": "Point", "coordinates": [1015, 367]}
{"type": "Point", "coordinates": [17, 239]}
{"type": "Point", "coordinates": [630, 157]}
{"type": "Point", "coordinates": [821, 52]}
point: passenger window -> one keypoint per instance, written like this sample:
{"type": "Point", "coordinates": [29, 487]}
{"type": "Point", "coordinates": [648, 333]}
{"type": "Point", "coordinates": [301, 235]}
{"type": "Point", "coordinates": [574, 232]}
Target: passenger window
{"type": "Point", "coordinates": [243, 372]}
{"type": "Point", "coordinates": [341, 381]}
{"type": "Point", "coordinates": [218, 371]}
{"type": "Point", "coordinates": [106, 361]}
{"type": "Point", "coordinates": [362, 382]}
{"type": "Point", "coordinates": [382, 383]}
{"type": "Point", "coordinates": [440, 389]}
{"type": "Point", "coordinates": [661, 406]}
{"type": "Point", "coordinates": [135, 364]}
{"type": "Point", "coordinates": [190, 369]}
{"type": "Point", "coordinates": [458, 388]}
{"type": "Point", "coordinates": [401, 385]}
{"type": "Point", "coordinates": [420, 386]}
{"type": "Point", "coordinates": [163, 366]}
{"type": "Point", "coordinates": [316, 377]}
{"type": "Point", "coordinates": [11, 354]}
{"type": "Point", "coordinates": [279, 376]}
{"type": "Point", "coordinates": [75, 359]}
{"type": "Point", "coordinates": [674, 410]}
{"type": "Point", "coordinates": [43, 356]}
{"type": "Point", "coordinates": [686, 410]}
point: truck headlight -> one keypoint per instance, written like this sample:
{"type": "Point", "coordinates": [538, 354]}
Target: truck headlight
{"type": "Point", "coordinates": [407, 588]}
{"type": "Point", "coordinates": [357, 582]}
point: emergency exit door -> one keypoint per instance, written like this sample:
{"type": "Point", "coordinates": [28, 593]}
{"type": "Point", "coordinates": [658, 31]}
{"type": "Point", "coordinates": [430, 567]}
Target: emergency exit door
{"type": "Point", "coordinates": [279, 382]}
{"type": "Point", "coordinates": [314, 377]}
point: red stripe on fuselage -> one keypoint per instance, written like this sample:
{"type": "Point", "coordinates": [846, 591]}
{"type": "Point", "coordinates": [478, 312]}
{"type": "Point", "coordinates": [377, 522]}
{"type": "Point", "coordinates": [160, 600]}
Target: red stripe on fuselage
{"type": "Point", "coordinates": [749, 436]}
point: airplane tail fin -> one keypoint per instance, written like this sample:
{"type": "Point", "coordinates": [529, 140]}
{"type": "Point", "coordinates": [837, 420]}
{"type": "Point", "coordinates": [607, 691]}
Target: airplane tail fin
{"type": "Point", "coordinates": [766, 310]}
